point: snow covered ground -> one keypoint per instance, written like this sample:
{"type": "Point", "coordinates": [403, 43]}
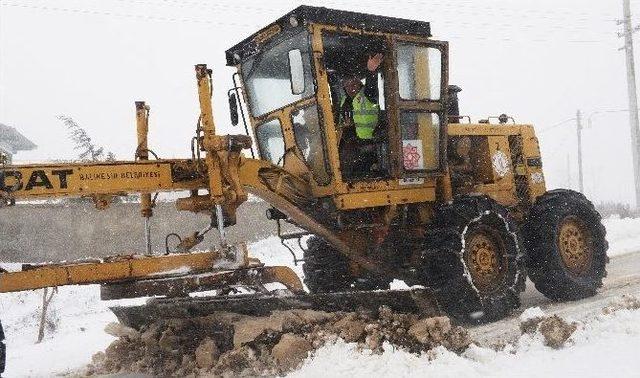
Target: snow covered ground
{"type": "Point", "coordinates": [623, 235]}
{"type": "Point", "coordinates": [75, 331]}
{"type": "Point", "coordinates": [605, 344]}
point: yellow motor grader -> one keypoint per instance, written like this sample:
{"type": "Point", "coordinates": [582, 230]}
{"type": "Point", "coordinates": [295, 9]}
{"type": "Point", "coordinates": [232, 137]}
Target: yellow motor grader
{"type": "Point", "coordinates": [431, 198]}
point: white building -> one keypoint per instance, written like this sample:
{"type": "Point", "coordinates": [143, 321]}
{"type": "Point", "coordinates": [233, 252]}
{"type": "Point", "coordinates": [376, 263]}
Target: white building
{"type": "Point", "coordinates": [11, 141]}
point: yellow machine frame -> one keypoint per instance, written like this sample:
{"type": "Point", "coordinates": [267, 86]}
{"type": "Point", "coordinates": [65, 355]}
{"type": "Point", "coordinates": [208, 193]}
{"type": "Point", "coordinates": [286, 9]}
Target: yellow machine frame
{"type": "Point", "coordinates": [219, 177]}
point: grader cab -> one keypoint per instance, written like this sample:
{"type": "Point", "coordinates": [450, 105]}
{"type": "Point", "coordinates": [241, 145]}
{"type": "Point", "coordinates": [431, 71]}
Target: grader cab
{"type": "Point", "coordinates": [292, 74]}
{"type": "Point", "coordinates": [428, 197]}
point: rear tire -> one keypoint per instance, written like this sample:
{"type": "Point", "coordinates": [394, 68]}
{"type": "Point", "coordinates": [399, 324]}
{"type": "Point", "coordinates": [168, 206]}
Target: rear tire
{"type": "Point", "coordinates": [3, 350]}
{"type": "Point", "coordinates": [326, 270]}
{"type": "Point", "coordinates": [566, 246]}
{"type": "Point", "coordinates": [474, 260]}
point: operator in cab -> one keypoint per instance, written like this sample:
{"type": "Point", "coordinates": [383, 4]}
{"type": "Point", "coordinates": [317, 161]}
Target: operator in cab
{"type": "Point", "coordinates": [359, 117]}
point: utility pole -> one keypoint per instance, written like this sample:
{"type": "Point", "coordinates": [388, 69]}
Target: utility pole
{"type": "Point", "coordinates": [579, 131]}
{"type": "Point", "coordinates": [633, 97]}
{"type": "Point", "coordinates": [569, 171]}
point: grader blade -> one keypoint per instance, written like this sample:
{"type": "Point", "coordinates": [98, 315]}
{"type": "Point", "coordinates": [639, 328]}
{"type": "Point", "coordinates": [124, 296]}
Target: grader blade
{"type": "Point", "coordinates": [419, 301]}
{"type": "Point", "coordinates": [180, 286]}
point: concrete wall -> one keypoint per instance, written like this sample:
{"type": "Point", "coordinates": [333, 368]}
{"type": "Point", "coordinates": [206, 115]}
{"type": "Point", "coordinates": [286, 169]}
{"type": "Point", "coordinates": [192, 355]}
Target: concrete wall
{"type": "Point", "coordinates": [41, 233]}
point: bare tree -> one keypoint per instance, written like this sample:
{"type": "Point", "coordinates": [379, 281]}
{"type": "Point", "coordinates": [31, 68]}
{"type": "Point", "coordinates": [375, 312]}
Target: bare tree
{"type": "Point", "coordinates": [46, 299]}
{"type": "Point", "coordinates": [88, 151]}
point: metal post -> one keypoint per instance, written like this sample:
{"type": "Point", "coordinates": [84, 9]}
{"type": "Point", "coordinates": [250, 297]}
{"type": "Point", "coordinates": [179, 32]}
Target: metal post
{"type": "Point", "coordinates": [220, 220]}
{"type": "Point", "coordinates": [147, 235]}
{"type": "Point", "coordinates": [579, 131]}
{"type": "Point", "coordinates": [142, 153]}
{"type": "Point", "coordinates": [633, 98]}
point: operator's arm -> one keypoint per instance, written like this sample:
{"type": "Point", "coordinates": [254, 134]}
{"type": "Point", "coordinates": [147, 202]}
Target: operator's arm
{"type": "Point", "coordinates": [371, 80]}
{"type": "Point", "coordinates": [371, 86]}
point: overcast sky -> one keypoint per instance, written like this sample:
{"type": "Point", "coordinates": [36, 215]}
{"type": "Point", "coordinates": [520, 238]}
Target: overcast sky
{"type": "Point", "coordinates": [539, 61]}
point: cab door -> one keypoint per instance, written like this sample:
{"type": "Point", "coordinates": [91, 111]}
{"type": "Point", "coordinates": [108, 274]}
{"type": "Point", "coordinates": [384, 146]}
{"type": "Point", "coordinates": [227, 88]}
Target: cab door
{"type": "Point", "coordinates": [418, 107]}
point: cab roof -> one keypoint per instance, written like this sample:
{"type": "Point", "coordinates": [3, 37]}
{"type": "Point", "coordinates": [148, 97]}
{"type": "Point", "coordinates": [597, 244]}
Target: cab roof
{"type": "Point", "coordinates": [305, 15]}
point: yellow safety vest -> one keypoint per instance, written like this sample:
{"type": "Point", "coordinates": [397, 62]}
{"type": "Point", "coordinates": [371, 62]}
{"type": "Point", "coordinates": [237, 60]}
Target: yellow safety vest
{"type": "Point", "coordinates": [365, 115]}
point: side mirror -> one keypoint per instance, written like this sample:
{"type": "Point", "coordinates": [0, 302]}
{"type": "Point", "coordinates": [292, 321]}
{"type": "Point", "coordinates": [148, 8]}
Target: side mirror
{"type": "Point", "coordinates": [233, 108]}
{"type": "Point", "coordinates": [296, 71]}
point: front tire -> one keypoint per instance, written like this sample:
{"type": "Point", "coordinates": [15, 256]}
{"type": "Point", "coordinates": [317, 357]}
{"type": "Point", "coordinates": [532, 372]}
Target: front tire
{"type": "Point", "coordinates": [326, 270]}
{"type": "Point", "coordinates": [566, 246]}
{"type": "Point", "coordinates": [474, 260]}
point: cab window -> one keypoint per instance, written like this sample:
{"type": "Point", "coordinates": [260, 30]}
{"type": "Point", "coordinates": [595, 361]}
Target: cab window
{"type": "Point", "coordinates": [419, 72]}
{"type": "Point", "coordinates": [271, 141]}
{"type": "Point", "coordinates": [308, 136]}
{"type": "Point", "coordinates": [268, 75]}
{"type": "Point", "coordinates": [362, 141]}
{"type": "Point", "coordinates": [420, 140]}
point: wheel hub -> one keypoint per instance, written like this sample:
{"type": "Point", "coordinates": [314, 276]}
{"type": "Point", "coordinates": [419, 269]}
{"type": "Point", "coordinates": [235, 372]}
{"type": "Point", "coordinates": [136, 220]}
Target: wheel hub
{"type": "Point", "coordinates": [483, 254]}
{"type": "Point", "coordinates": [575, 245]}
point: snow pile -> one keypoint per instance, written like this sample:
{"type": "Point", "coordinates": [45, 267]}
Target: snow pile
{"type": "Point", "coordinates": [225, 344]}
{"type": "Point", "coordinates": [604, 346]}
{"type": "Point", "coordinates": [554, 330]}
{"type": "Point", "coordinates": [623, 235]}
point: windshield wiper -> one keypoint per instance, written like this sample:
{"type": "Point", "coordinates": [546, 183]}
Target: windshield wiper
{"type": "Point", "coordinates": [255, 64]}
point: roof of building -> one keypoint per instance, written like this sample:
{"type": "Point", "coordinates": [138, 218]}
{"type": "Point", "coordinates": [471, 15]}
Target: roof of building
{"type": "Point", "coordinates": [13, 141]}
{"type": "Point", "coordinates": [304, 15]}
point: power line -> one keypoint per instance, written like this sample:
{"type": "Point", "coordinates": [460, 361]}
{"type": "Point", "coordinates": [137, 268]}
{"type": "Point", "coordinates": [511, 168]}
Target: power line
{"type": "Point", "coordinates": [556, 125]}
{"type": "Point", "coordinates": [589, 119]}
{"type": "Point", "coordinates": [198, 5]}
{"type": "Point", "coordinates": [566, 13]}
{"type": "Point", "coordinates": [208, 22]}
{"type": "Point", "coordinates": [123, 15]}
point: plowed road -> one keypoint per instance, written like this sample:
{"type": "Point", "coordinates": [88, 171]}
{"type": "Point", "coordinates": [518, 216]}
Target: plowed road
{"type": "Point", "coordinates": [623, 278]}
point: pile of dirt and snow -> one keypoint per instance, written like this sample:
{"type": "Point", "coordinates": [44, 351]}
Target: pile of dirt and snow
{"type": "Point", "coordinates": [225, 344]}
{"type": "Point", "coordinates": [555, 330]}
{"type": "Point", "coordinates": [605, 345]}
{"type": "Point", "coordinates": [625, 302]}
{"type": "Point", "coordinates": [309, 343]}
